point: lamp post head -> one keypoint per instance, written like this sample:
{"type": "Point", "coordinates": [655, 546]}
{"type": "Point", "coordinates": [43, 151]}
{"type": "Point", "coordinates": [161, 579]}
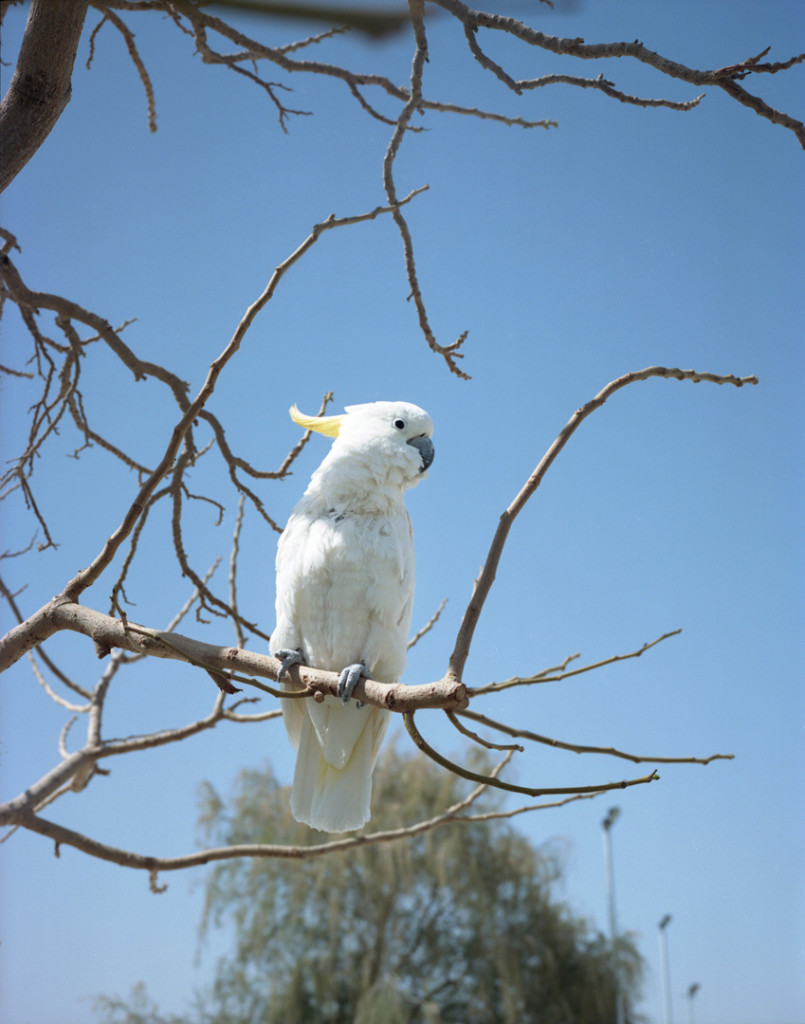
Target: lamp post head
{"type": "Point", "coordinates": [611, 818]}
{"type": "Point", "coordinates": [665, 922]}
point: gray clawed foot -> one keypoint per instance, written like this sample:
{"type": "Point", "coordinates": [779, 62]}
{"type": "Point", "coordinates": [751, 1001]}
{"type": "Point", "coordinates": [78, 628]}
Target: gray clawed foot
{"type": "Point", "coordinates": [346, 683]}
{"type": "Point", "coordinates": [349, 680]}
{"type": "Point", "coordinates": [288, 658]}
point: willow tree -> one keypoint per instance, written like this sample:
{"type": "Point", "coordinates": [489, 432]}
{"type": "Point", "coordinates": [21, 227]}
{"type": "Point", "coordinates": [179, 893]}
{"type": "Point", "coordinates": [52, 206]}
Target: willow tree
{"type": "Point", "coordinates": [459, 925]}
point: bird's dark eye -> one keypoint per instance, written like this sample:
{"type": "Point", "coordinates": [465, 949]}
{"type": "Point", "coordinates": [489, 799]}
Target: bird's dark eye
{"type": "Point", "coordinates": [399, 424]}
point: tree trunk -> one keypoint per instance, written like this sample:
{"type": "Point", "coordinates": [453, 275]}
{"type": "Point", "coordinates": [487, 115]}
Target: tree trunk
{"type": "Point", "coordinates": [40, 87]}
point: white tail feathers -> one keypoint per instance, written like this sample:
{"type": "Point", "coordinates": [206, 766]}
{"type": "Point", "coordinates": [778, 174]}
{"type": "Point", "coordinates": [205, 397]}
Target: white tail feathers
{"type": "Point", "coordinates": [337, 747]}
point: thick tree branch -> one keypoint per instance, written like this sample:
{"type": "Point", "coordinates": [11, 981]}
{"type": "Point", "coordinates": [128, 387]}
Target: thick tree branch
{"type": "Point", "coordinates": [40, 86]}
{"type": "Point", "coordinates": [108, 633]}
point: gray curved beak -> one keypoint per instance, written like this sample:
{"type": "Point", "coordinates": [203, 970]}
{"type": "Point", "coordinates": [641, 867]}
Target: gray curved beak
{"type": "Point", "coordinates": [424, 446]}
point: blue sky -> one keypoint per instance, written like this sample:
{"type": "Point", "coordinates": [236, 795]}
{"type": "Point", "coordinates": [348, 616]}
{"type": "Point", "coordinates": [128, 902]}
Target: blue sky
{"type": "Point", "coordinates": [623, 238]}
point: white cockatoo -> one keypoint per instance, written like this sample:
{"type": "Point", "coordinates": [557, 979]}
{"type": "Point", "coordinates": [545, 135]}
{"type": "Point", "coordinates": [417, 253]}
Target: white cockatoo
{"type": "Point", "coordinates": [345, 590]}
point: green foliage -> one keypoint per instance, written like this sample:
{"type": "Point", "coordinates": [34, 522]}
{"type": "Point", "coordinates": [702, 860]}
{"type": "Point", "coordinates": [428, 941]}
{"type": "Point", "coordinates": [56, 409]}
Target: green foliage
{"type": "Point", "coordinates": [456, 924]}
{"type": "Point", "coordinates": [138, 1010]}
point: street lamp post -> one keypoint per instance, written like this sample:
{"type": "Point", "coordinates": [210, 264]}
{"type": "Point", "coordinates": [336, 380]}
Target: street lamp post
{"type": "Point", "coordinates": [666, 973]}
{"type": "Point", "coordinates": [607, 823]}
{"type": "Point", "coordinates": [694, 988]}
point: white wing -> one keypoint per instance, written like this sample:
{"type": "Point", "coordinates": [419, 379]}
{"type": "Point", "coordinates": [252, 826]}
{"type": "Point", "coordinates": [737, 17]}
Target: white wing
{"type": "Point", "coordinates": [345, 585]}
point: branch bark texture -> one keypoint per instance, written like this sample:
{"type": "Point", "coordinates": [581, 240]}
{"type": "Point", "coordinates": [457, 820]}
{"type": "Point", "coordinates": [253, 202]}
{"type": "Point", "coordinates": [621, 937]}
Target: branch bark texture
{"type": "Point", "coordinates": [40, 86]}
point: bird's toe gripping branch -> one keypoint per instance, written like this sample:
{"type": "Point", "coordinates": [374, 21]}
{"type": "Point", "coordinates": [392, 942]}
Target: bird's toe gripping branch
{"type": "Point", "coordinates": [349, 680]}
{"type": "Point", "coordinates": [288, 658]}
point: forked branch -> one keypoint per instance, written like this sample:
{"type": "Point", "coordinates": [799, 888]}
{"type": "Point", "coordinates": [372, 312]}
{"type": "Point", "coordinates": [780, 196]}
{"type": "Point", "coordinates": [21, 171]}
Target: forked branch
{"type": "Point", "coordinates": [581, 748]}
{"type": "Point", "coordinates": [510, 787]}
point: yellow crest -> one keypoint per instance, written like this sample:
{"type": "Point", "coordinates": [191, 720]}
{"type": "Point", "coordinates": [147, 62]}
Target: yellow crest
{"type": "Point", "coordinates": [329, 425]}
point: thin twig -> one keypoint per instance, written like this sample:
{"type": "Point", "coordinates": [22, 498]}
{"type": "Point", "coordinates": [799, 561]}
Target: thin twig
{"type": "Point", "coordinates": [78, 708]}
{"type": "Point", "coordinates": [233, 574]}
{"type": "Point", "coordinates": [450, 352]}
{"type": "Point", "coordinates": [479, 739]}
{"type": "Point", "coordinates": [552, 675]}
{"type": "Point", "coordinates": [579, 748]}
{"type": "Point", "coordinates": [131, 46]}
{"type": "Point", "coordinates": [428, 625]}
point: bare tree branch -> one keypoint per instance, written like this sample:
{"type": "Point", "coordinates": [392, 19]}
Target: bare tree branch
{"type": "Point", "coordinates": [26, 116]}
{"type": "Point", "coordinates": [86, 577]}
{"type": "Point", "coordinates": [109, 633]}
{"type": "Point", "coordinates": [479, 739]}
{"type": "Point", "coordinates": [69, 310]}
{"type": "Point", "coordinates": [46, 661]}
{"type": "Point", "coordinates": [233, 574]}
{"type": "Point", "coordinates": [152, 864]}
{"type": "Point", "coordinates": [414, 103]}
{"type": "Point", "coordinates": [458, 658]}
{"type": "Point", "coordinates": [228, 665]}
{"type": "Point", "coordinates": [428, 625]}
{"type": "Point", "coordinates": [579, 748]}
{"type": "Point", "coordinates": [40, 88]}
{"type": "Point", "coordinates": [723, 78]}
{"type": "Point", "coordinates": [466, 773]}
{"type": "Point", "coordinates": [78, 708]}
{"type": "Point", "coordinates": [131, 46]}
{"type": "Point", "coordinates": [560, 672]}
